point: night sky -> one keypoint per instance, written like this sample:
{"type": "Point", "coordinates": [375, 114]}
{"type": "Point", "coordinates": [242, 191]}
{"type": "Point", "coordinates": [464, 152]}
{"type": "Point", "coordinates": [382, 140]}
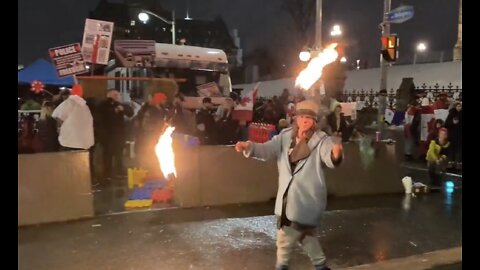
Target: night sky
{"type": "Point", "coordinates": [261, 24]}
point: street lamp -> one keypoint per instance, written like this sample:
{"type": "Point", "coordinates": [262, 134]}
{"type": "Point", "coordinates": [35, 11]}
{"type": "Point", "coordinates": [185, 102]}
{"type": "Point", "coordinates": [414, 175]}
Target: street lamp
{"type": "Point", "coordinates": [143, 16]}
{"type": "Point", "coordinates": [304, 56]}
{"type": "Point", "coordinates": [421, 47]}
{"type": "Point", "coordinates": [336, 31]}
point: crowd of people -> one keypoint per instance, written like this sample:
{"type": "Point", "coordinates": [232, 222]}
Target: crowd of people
{"type": "Point", "coordinates": [442, 148]}
{"type": "Point", "coordinates": [71, 123]}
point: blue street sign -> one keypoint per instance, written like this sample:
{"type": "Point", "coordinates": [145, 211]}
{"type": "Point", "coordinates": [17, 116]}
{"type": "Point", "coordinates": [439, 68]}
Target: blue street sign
{"type": "Point", "coordinates": [400, 14]}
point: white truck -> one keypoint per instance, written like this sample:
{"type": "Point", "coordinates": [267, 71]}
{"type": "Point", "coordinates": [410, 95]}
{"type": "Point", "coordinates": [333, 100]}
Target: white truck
{"type": "Point", "coordinates": [203, 69]}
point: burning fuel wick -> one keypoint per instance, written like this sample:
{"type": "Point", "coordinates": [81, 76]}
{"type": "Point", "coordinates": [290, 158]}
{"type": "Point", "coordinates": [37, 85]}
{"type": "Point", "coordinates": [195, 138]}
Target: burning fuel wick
{"type": "Point", "coordinates": [165, 154]}
{"type": "Point", "coordinates": [313, 71]}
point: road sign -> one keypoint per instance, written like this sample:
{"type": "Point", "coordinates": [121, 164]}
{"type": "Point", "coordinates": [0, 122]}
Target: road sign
{"type": "Point", "coordinates": [400, 14]}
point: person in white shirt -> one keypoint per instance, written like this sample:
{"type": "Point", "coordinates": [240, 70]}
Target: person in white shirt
{"type": "Point", "coordinates": [290, 109]}
{"type": "Point", "coordinates": [76, 131]}
{"type": "Point", "coordinates": [359, 103]}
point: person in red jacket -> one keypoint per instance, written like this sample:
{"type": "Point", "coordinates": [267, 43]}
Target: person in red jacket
{"type": "Point", "coordinates": [441, 102]}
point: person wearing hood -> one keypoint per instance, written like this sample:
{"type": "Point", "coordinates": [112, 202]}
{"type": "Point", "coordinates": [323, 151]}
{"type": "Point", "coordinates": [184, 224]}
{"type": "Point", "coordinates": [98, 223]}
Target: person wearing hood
{"type": "Point", "coordinates": [433, 134]}
{"type": "Point", "coordinates": [437, 157]}
{"type": "Point", "coordinates": [454, 125]}
{"type": "Point", "coordinates": [75, 120]}
{"type": "Point", "coordinates": [301, 152]}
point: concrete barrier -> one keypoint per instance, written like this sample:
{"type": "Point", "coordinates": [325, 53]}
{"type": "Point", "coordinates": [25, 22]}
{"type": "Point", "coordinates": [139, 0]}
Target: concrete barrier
{"type": "Point", "coordinates": [54, 187]}
{"type": "Point", "coordinates": [353, 178]}
{"type": "Point", "coordinates": [215, 175]}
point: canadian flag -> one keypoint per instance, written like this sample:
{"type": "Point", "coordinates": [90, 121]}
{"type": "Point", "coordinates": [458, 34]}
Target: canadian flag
{"type": "Point", "coordinates": [427, 115]}
{"type": "Point", "coordinates": [244, 110]}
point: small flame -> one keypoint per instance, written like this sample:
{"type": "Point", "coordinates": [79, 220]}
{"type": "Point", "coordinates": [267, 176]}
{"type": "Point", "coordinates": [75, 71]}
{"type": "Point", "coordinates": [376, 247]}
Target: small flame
{"type": "Point", "coordinates": [164, 152]}
{"type": "Point", "coordinates": [313, 71]}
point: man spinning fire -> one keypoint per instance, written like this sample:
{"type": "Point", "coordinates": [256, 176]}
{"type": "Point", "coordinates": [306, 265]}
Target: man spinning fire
{"type": "Point", "coordinates": [300, 151]}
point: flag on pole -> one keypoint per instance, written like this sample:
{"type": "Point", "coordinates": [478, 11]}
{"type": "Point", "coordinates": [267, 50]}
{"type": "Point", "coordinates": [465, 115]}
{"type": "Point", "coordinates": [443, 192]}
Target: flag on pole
{"type": "Point", "coordinates": [244, 110]}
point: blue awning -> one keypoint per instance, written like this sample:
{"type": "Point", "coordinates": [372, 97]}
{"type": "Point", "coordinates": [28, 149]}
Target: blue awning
{"type": "Point", "coordinates": [44, 71]}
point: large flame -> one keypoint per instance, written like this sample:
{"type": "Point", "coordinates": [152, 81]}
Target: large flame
{"type": "Point", "coordinates": [164, 152]}
{"type": "Point", "coordinates": [313, 71]}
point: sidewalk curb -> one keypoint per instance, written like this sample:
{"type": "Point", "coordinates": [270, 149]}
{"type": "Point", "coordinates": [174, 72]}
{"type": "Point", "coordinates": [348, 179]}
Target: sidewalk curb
{"type": "Point", "coordinates": [416, 262]}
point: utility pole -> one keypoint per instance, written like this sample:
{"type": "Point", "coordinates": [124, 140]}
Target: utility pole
{"type": "Point", "coordinates": [315, 92]}
{"type": "Point", "coordinates": [383, 63]}
{"type": "Point", "coordinates": [318, 25]}
{"type": "Point", "coordinates": [457, 50]}
{"type": "Point", "coordinates": [385, 31]}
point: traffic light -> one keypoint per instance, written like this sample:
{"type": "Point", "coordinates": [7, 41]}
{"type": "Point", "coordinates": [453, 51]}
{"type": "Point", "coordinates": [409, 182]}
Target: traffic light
{"type": "Point", "coordinates": [390, 48]}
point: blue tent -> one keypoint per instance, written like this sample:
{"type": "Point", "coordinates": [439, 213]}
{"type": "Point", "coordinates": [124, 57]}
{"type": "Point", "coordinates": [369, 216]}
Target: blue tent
{"type": "Point", "coordinates": [44, 71]}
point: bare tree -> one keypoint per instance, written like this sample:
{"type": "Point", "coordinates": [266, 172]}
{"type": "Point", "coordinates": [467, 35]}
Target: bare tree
{"type": "Point", "coordinates": [303, 15]}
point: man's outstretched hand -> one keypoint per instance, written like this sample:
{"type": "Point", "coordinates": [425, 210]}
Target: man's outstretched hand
{"type": "Point", "coordinates": [337, 149]}
{"type": "Point", "coordinates": [242, 146]}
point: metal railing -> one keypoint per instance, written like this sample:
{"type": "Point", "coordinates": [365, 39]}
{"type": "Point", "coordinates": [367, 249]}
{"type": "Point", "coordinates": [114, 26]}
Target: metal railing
{"type": "Point", "coordinates": [431, 92]}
